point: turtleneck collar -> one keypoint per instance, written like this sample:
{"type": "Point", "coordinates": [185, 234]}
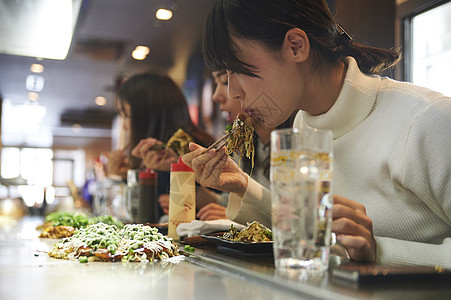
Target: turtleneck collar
{"type": "Point", "coordinates": [354, 103]}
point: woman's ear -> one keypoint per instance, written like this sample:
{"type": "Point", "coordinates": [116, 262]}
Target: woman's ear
{"type": "Point", "coordinates": [296, 45]}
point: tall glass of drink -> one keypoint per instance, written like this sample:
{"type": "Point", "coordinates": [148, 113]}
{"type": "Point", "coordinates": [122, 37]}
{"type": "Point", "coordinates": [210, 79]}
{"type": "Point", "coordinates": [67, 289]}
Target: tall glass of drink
{"type": "Point", "coordinates": [301, 176]}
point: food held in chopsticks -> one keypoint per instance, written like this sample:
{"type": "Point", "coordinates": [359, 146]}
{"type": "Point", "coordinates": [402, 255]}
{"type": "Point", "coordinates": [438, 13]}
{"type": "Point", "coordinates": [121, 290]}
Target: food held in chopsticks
{"type": "Point", "coordinates": [179, 142]}
{"type": "Point", "coordinates": [63, 224]}
{"type": "Point", "coordinates": [255, 232]}
{"type": "Point", "coordinates": [241, 140]}
{"type": "Point", "coordinates": [102, 242]}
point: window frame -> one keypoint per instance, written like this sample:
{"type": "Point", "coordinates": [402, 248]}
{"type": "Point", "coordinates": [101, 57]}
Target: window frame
{"type": "Point", "coordinates": [404, 15]}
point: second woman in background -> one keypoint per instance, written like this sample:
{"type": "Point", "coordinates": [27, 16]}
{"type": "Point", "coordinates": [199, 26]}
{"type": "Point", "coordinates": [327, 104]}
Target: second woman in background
{"type": "Point", "coordinates": [153, 107]}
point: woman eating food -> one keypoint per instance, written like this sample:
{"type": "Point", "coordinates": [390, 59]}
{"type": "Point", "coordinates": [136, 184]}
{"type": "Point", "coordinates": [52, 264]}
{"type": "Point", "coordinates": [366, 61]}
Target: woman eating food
{"type": "Point", "coordinates": [392, 201]}
{"type": "Point", "coordinates": [259, 169]}
{"type": "Point", "coordinates": [154, 109]}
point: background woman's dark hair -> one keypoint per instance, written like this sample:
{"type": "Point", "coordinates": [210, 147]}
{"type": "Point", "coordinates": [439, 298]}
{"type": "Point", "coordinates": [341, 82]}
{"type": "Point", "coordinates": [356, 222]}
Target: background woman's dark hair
{"type": "Point", "coordinates": [267, 21]}
{"type": "Point", "coordinates": [158, 109]}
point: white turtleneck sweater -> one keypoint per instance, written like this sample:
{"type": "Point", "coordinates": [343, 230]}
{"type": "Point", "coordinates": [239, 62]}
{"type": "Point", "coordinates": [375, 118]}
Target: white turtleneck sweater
{"type": "Point", "coordinates": [392, 153]}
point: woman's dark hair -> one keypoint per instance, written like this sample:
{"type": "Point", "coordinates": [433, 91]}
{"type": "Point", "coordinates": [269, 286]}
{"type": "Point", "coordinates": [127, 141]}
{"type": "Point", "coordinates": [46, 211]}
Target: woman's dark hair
{"type": "Point", "coordinates": [267, 21]}
{"type": "Point", "coordinates": [158, 109]}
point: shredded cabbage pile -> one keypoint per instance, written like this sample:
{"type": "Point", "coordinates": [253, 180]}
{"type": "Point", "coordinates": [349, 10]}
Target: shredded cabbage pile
{"type": "Point", "coordinates": [78, 220]}
{"type": "Point", "coordinates": [134, 242]}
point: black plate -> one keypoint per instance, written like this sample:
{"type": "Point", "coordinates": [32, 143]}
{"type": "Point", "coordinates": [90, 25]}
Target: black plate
{"type": "Point", "coordinates": [162, 227]}
{"type": "Point", "coordinates": [250, 248]}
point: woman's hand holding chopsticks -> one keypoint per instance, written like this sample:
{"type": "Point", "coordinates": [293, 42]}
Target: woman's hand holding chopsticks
{"type": "Point", "coordinates": [215, 169]}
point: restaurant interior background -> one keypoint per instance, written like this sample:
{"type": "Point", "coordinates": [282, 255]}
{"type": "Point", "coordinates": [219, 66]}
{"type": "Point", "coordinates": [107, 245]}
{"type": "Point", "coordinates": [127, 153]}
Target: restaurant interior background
{"type": "Point", "coordinates": [57, 101]}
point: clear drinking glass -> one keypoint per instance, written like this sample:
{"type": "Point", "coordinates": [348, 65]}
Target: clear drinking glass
{"type": "Point", "coordinates": [132, 195]}
{"type": "Point", "coordinates": [109, 198]}
{"type": "Point", "coordinates": [301, 176]}
{"type": "Point", "coordinates": [99, 202]}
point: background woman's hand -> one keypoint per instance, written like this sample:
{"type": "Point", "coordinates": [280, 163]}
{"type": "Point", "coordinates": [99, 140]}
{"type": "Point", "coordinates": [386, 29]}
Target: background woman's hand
{"type": "Point", "coordinates": [117, 163]}
{"type": "Point", "coordinates": [160, 160]}
{"type": "Point", "coordinates": [215, 169]}
{"type": "Point", "coordinates": [211, 211]}
{"type": "Point", "coordinates": [164, 202]}
{"type": "Point", "coordinates": [354, 229]}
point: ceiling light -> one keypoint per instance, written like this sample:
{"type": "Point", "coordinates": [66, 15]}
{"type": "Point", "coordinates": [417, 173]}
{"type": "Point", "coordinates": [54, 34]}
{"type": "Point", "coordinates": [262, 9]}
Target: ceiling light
{"type": "Point", "coordinates": [34, 83]}
{"type": "Point", "coordinates": [77, 128]}
{"type": "Point", "coordinates": [33, 96]}
{"type": "Point", "coordinates": [138, 54]}
{"type": "Point", "coordinates": [37, 68]}
{"type": "Point", "coordinates": [38, 28]}
{"type": "Point", "coordinates": [144, 49]}
{"type": "Point", "coordinates": [163, 14]}
{"type": "Point", "coordinates": [100, 101]}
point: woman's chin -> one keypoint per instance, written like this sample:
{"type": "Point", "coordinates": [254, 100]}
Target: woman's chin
{"type": "Point", "coordinates": [258, 121]}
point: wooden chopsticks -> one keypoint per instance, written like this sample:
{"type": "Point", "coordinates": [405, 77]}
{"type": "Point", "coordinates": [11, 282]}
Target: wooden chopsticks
{"type": "Point", "coordinates": [220, 142]}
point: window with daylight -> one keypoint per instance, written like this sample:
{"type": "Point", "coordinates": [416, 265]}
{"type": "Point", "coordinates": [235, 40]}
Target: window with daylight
{"type": "Point", "coordinates": [428, 46]}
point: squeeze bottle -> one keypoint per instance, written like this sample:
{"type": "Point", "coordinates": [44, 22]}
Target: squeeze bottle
{"type": "Point", "coordinates": [182, 197]}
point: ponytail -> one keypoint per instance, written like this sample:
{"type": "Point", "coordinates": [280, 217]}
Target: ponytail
{"type": "Point", "coordinates": [371, 60]}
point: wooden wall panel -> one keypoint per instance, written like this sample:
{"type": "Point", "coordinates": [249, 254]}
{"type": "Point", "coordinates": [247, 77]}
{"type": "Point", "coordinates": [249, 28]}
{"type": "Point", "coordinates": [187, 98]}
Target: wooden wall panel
{"type": "Point", "coordinates": [367, 21]}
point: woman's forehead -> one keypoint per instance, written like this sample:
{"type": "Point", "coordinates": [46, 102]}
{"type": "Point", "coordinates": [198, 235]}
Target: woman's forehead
{"type": "Point", "coordinates": [253, 54]}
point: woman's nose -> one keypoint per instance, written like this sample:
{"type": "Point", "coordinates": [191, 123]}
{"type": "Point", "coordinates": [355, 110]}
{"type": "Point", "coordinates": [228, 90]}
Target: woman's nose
{"type": "Point", "coordinates": [234, 90]}
{"type": "Point", "coordinates": [219, 97]}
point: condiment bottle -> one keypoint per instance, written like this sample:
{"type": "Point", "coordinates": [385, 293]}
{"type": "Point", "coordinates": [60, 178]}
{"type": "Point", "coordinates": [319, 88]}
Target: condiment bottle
{"type": "Point", "coordinates": [148, 211]}
{"type": "Point", "coordinates": [182, 197]}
